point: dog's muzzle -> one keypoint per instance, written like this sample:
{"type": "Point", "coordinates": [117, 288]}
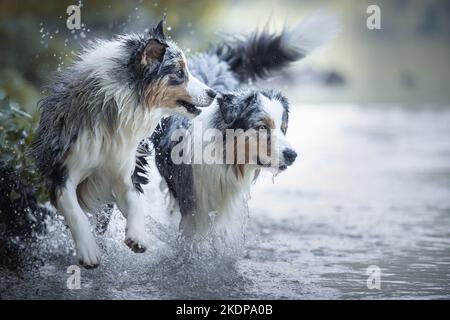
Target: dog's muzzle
{"type": "Point", "coordinates": [192, 108]}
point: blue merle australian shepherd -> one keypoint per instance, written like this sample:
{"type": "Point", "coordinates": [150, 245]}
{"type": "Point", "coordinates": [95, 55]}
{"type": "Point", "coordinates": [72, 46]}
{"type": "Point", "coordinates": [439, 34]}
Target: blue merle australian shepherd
{"type": "Point", "coordinates": [97, 112]}
{"type": "Point", "coordinates": [211, 196]}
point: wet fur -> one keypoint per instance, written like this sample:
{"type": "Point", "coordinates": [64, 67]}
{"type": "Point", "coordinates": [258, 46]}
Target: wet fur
{"type": "Point", "coordinates": [221, 190]}
{"type": "Point", "coordinates": [213, 198]}
{"type": "Point", "coordinates": [93, 119]}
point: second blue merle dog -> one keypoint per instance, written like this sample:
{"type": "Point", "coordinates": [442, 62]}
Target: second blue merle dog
{"type": "Point", "coordinates": [211, 196]}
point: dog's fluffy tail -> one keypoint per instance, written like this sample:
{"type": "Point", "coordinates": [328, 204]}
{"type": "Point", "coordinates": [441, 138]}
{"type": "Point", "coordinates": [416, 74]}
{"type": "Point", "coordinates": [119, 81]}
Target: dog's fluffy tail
{"type": "Point", "coordinates": [261, 53]}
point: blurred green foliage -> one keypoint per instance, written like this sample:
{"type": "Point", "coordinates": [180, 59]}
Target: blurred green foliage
{"type": "Point", "coordinates": [35, 39]}
{"type": "Point", "coordinates": [17, 129]}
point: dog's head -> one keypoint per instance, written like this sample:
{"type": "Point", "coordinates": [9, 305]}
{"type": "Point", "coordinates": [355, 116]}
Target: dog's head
{"type": "Point", "coordinates": [262, 117]}
{"type": "Point", "coordinates": [164, 77]}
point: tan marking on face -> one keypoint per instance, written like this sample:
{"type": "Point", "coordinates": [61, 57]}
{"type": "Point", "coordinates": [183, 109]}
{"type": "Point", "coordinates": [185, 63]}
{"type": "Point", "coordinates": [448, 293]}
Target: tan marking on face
{"type": "Point", "coordinates": [182, 64]}
{"type": "Point", "coordinates": [264, 146]}
{"type": "Point", "coordinates": [255, 146]}
{"type": "Point", "coordinates": [270, 122]}
{"type": "Point", "coordinates": [239, 168]}
{"type": "Point", "coordinates": [161, 94]}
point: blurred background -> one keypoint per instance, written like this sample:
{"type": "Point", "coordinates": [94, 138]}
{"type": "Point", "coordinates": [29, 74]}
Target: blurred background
{"type": "Point", "coordinates": [404, 62]}
{"type": "Point", "coordinates": [370, 119]}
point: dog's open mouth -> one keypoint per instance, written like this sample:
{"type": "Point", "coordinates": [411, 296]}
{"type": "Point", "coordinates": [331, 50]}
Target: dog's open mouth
{"type": "Point", "coordinates": [190, 108]}
{"type": "Point", "coordinates": [266, 164]}
{"type": "Point", "coordinates": [261, 163]}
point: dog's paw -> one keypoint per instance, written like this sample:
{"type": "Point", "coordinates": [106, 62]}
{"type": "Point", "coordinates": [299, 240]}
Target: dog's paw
{"type": "Point", "coordinates": [136, 246]}
{"type": "Point", "coordinates": [135, 237]}
{"type": "Point", "coordinates": [88, 254]}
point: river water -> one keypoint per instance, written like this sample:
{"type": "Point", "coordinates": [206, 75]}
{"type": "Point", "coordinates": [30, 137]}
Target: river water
{"type": "Point", "coordinates": [371, 188]}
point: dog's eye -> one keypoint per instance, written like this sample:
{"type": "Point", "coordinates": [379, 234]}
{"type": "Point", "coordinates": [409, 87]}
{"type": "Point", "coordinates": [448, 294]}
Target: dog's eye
{"type": "Point", "coordinates": [261, 127]}
{"type": "Point", "coordinates": [180, 73]}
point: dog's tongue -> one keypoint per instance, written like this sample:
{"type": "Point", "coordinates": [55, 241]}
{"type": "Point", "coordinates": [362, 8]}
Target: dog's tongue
{"type": "Point", "coordinates": [190, 107]}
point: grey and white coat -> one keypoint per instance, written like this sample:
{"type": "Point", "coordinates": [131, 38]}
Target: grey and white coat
{"type": "Point", "coordinates": [212, 198]}
{"type": "Point", "coordinates": [95, 115]}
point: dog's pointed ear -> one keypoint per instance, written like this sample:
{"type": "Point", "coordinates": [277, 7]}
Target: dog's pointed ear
{"type": "Point", "coordinates": [154, 51]}
{"type": "Point", "coordinates": [228, 108]}
{"type": "Point", "coordinates": [157, 32]}
{"type": "Point", "coordinates": [155, 48]}
{"type": "Point", "coordinates": [159, 29]}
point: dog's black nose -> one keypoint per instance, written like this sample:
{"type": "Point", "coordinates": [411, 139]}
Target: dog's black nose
{"type": "Point", "coordinates": [289, 156]}
{"type": "Point", "coordinates": [211, 93]}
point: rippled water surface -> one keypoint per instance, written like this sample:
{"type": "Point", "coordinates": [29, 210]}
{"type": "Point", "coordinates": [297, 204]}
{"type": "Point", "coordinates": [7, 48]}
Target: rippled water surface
{"type": "Point", "coordinates": [371, 187]}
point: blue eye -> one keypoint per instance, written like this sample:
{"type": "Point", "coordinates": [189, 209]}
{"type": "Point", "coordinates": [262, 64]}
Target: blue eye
{"type": "Point", "coordinates": [180, 73]}
{"type": "Point", "coordinates": [261, 127]}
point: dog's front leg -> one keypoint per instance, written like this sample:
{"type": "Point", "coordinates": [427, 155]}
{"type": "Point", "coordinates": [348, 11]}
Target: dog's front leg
{"type": "Point", "coordinates": [129, 204]}
{"type": "Point", "coordinates": [88, 253]}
